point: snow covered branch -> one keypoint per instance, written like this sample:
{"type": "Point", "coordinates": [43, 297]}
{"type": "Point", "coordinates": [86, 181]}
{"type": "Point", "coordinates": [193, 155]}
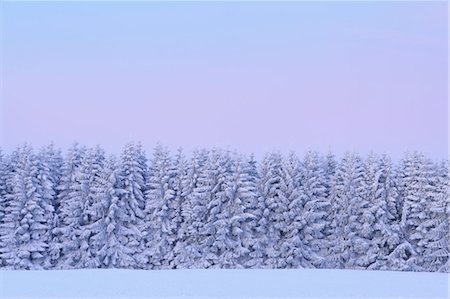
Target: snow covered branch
{"type": "Point", "coordinates": [218, 209]}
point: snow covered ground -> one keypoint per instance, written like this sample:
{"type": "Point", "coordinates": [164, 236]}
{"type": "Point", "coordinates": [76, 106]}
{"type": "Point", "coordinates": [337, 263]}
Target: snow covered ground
{"type": "Point", "coordinates": [222, 284]}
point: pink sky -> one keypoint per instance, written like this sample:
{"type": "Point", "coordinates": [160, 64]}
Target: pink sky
{"type": "Point", "coordinates": [247, 76]}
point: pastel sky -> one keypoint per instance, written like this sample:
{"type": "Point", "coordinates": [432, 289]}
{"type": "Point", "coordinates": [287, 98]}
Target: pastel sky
{"type": "Point", "coordinates": [248, 76]}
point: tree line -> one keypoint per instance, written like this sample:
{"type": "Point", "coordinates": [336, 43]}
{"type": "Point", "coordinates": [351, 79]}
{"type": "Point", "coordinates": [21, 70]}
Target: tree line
{"type": "Point", "coordinates": [221, 209]}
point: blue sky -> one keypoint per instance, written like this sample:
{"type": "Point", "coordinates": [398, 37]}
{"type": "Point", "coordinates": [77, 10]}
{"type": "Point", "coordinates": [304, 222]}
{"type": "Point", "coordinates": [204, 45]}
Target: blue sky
{"type": "Point", "coordinates": [248, 76]}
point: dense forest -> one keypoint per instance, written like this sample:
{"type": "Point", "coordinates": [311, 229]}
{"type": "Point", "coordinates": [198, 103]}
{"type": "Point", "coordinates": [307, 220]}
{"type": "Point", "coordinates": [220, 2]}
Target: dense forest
{"type": "Point", "coordinates": [221, 209]}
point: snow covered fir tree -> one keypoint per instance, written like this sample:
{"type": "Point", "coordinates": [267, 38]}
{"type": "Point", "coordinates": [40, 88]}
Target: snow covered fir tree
{"type": "Point", "coordinates": [221, 209]}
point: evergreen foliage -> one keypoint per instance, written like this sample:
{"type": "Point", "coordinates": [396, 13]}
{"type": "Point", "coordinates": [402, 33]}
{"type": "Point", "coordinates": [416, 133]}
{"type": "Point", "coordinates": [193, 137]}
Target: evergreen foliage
{"type": "Point", "coordinates": [219, 209]}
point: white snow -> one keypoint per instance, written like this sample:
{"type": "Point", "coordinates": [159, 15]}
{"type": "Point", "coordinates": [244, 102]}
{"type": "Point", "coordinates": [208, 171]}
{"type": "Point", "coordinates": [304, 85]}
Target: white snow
{"type": "Point", "coordinates": [300, 283]}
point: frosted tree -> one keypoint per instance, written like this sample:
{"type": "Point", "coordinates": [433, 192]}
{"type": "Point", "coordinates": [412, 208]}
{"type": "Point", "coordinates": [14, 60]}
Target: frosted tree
{"type": "Point", "coordinates": [183, 186]}
{"type": "Point", "coordinates": [3, 191]}
{"type": "Point", "coordinates": [369, 216]}
{"type": "Point", "coordinates": [189, 250]}
{"type": "Point", "coordinates": [9, 168]}
{"type": "Point", "coordinates": [92, 168]}
{"type": "Point", "coordinates": [289, 200]}
{"type": "Point", "coordinates": [160, 210]}
{"type": "Point", "coordinates": [50, 164]}
{"type": "Point", "coordinates": [260, 248]}
{"type": "Point", "coordinates": [255, 205]}
{"type": "Point", "coordinates": [27, 224]}
{"type": "Point", "coordinates": [437, 248]}
{"type": "Point", "coordinates": [398, 257]}
{"type": "Point", "coordinates": [381, 215]}
{"type": "Point", "coordinates": [215, 231]}
{"type": "Point", "coordinates": [416, 192]}
{"type": "Point", "coordinates": [179, 185]}
{"type": "Point", "coordinates": [132, 174]}
{"type": "Point", "coordinates": [337, 244]}
{"type": "Point", "coordinates": [81, 208]}
{"type": "Point", "coordinates": [241, 193]}
{"type": "Point", "coordinates": [275, 206]}
{"type": "Point", "coordinates": [111, 237]}
{"type": "Point", "coordinates": [330, 167]}
{"type": "Point", "coordinates": [11, 209]}
{"type": "Point", "coordinates": [53, 160]}
{"type": "Point", "coordinates": [437, 241]}
{"type": "Point", "coordinates": [221, 209]}
{"type": "Point", "coordinates": [374, 234]}
{"type": "Point", "coordinates": [344, 244]}
{"type": "Point", "coordinates": [69, 200]}
{"type": "Point", "coordinates": [311, 210]}
{"type": "Point", "coordinates": [226, 229]}
{"type": "Point", "coordinates": [4, 196]}
{"type": "Point", "coordinates": [359, 229]}
{"type": "Point", "coordinates": [109, 251]}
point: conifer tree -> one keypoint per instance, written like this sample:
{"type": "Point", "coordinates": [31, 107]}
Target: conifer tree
{"type": "Point", "coordinates": [437, 239]}
{"type": "Point", "coordinates": [275, 209]}
{"type": "Point", "coordinates": [132, 173]}
{"type": "Point", "coordinates": [52, 162]}
{"type": "Point", "coordinates": [381, 216]}
{"type": "Point", "coordinates": [214, 233]}
{"type": "Point", "coordinates": [28, 220]}
{"type": "Point", "coordinates": [344, 244]}
{"type": "Point", "coordinates": [4, 196]}
{"type": "Point", "coordinates": [194, 212]}
{"type": "Point", "coordinates": [241, 198]}
{"type": "Point", "coordinates": [254, 204]}
{"type": "Point", "coordinates": [70, 207]}
{"type": "Point", "coordinates": [183, 186]}
{"type": "Point", "coordinates": [416, 191]}
{"type": "Point", "coordinates": [111, 237]}
{"type": "Point", "coordinates": [312, 213]}
{"type": "Point", "coordinates": [159, 210]}
{"type": "Point", "coordinates": [221, 209]}
{"type": "Point", "coordinates": [291, 245]}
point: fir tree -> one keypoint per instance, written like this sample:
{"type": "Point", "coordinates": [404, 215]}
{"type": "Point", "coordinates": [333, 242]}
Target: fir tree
{"type": "Point", "coordinates": [417, 192]}
{"type": "Point", "coordinates": [221, 209]}
{"type": "Point", "coordinates": [345, 245]}
{"type": "Point", "coordinates": [292, 244]}
{"type": "Point", "coordinates": [70, 199]}
{"type": "Point", "coordinates": [183, 185]}
{"type": "Point", "coordinates": [160, 210]}
{"type": "Point", "coordinates": [275, 208]}
{"type": "Point", "coordinates": [132, 173]}
{"type": "Point", "coordinates": [194, 212]}
{"type": "Point", "coordinates": [312, 211]}
{"type": "Point", "coordinates": [52, 162]}
{"type": "Point", "coordinates": [111, 238]}
{"type": "Point", "coordinates": [254, 204]}
{"type": "Point", "coordinates": [241, 196]}
{"type": "Point", "coordinates": [381, 217]}
{"type": "Point", "coordinates": [215, 231]}
{"type": "Point", "coordinates": [437, 241]}
{"type": "Point", "coordinates": [28, 220]}
{"type": "Point", "coordinates": [4, 172]}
